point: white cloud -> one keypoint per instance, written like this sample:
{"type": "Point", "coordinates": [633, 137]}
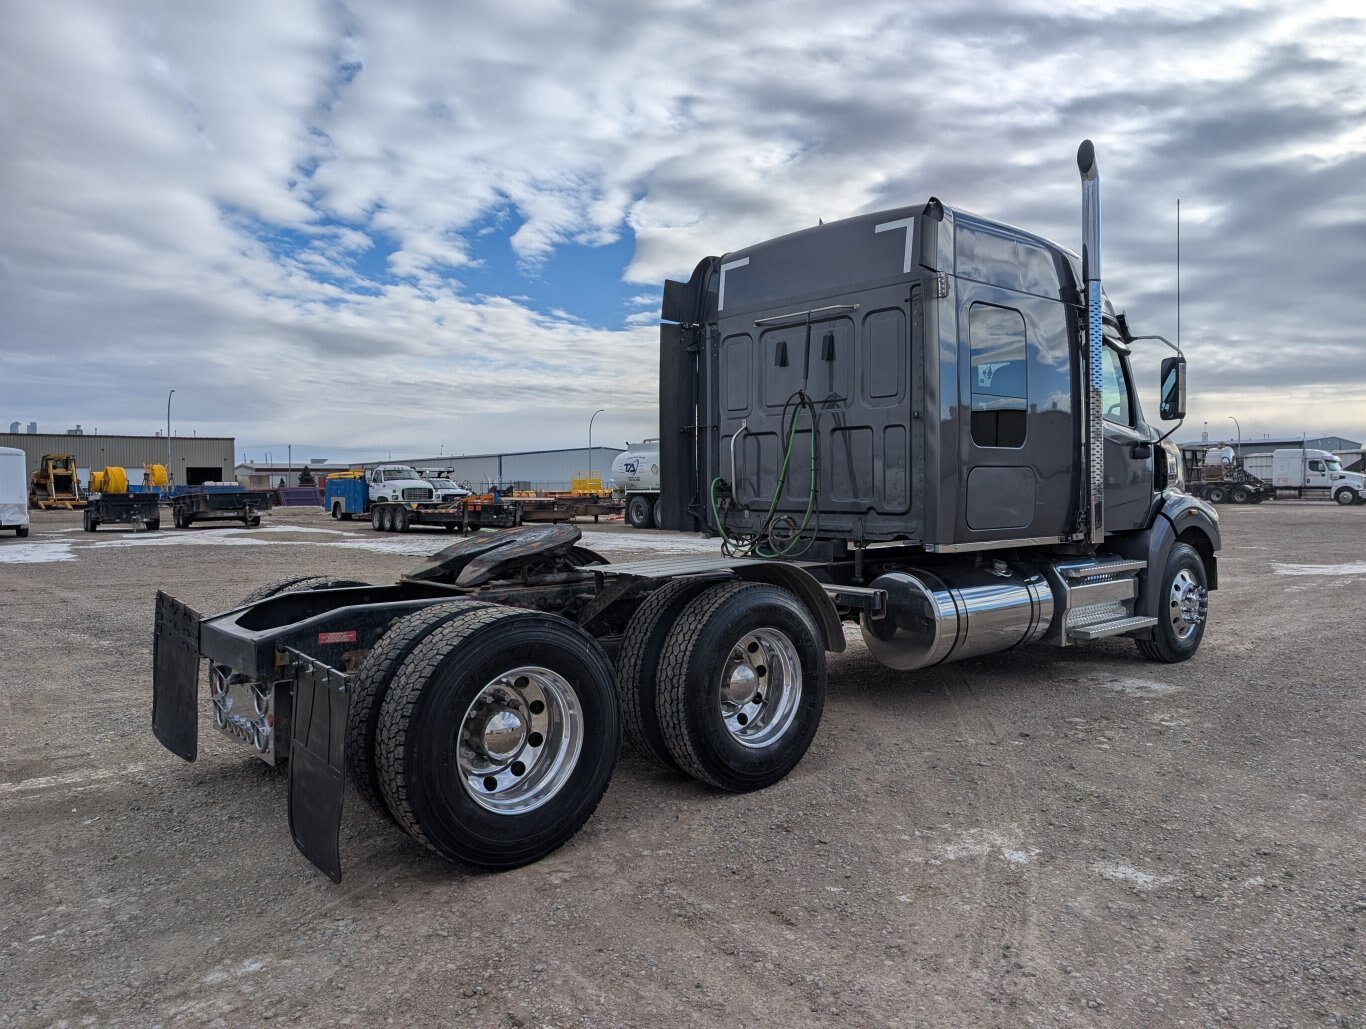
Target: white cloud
{"type": "Point", "coordinates": [189, 191]}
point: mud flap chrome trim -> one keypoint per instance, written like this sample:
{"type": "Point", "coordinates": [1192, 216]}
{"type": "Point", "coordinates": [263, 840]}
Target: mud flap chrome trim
{"type": "Point", "coordinates": [317, 761]}
{"type": "Point", "coordinates": [175, 677]}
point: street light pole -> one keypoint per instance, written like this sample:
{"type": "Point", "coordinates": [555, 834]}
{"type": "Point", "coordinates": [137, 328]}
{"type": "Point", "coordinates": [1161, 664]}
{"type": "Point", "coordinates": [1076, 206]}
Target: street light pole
{"type": "Point", "coordinates": [168, 436]}
{"type": "Point", "coordinates": [590, 440]}
{"type": "Point", "coordinates": [1239, 451]}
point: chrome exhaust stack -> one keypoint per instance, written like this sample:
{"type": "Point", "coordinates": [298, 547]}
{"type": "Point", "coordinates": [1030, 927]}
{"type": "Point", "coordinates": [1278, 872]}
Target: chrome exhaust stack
{"type": "Point", "coordinates": [1090, 266]}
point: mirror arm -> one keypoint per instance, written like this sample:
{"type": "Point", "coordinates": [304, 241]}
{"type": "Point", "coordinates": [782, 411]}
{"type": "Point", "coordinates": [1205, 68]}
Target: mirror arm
{"type": "Point", "coordinates": [1163, 339]}
{"type": "Point", "coordinates": [1169, 432]}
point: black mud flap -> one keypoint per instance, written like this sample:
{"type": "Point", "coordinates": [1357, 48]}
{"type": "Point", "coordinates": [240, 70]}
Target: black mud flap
{"type": "Point", "coordinates": [175, 677]}
{"type": "Point", "coordinates": [317, 761]}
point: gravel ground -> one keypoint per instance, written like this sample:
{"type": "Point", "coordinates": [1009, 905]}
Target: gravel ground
{"type": "Point", "coordinates": [1046, 837]}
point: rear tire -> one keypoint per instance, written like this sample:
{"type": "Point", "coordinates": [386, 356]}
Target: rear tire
{"type": "Point", "coordinates": [402, 516]}
{"type": "Point", "coordinates": [337, 510]}
{"type": "Point", "coordinates": [1215, 495]}
{"type": "Point", "coordinates": [741, 685]}
{"type": "Point", "coordinates": [371, 685]}
{"type": "Point", "coordinates": [21, 531]}
{"type": "Point", "coordinates": [1182, 609]}
{"type": "Point", "coordinates": [377, 519]}
{"type": "Point", "coordinates": [154, 525]}
{"type": "Point", "coordinates": [253, 522]}
{"type": "Point", "coordinates": [639, 512]}
{"type": "Point", "coordinates": [498, 736]}
{"type": "Point", "coordinates": [638, 667]}
{"type": "Point", "coordinates": [658, 514]}
{"type": "Point", "coordinates": [1241, 495]}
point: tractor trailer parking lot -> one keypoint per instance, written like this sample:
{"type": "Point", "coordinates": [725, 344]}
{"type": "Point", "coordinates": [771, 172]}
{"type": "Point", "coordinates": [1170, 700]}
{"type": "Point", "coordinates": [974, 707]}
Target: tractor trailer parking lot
{"type": "Point", "coordinates": [1056, 835]}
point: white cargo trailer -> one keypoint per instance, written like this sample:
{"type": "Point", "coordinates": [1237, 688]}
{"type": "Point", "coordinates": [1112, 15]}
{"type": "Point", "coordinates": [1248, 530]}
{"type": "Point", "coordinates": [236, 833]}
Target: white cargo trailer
{"type": "Point", "coordinates": [13, 491]}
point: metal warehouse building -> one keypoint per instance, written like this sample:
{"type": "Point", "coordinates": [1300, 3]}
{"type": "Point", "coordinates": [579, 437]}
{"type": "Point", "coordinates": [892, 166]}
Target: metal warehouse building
{"type": "Point", "coordinates": [194, 459]}
{"type": "Point", "coordinates": [532, 469]}
{"type": "Point", "coordinates": [1266, 445]}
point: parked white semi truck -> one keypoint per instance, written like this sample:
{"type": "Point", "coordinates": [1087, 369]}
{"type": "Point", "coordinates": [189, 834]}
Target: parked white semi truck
{"type": "Point", "coordinates": [635, 475]}
{"type": "Point", "coordinates": [1308, 474]}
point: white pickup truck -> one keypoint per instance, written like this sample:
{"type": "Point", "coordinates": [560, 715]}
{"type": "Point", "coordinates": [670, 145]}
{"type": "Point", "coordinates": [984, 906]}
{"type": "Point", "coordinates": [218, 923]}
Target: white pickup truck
{"type": "Point", "coordinates": [398, 482]}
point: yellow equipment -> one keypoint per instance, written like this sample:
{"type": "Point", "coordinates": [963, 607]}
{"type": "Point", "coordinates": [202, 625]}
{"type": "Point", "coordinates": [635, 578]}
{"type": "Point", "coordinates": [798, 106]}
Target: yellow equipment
{"type": "Point", "coordinates": [53, 484]}
{"type": "Point", "coordinates": [111, 480]}
{"type": "Point", "coordinates": [154, 476]}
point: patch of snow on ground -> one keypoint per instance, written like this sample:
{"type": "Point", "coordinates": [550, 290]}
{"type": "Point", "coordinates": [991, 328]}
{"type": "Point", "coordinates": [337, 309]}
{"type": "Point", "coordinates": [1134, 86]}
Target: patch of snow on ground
{"type": "Point", "coordinates": [980, 843]}
{"type": "Point", "coordinates": [420, 544]}
{"type": "Point", "coordinates": [1137, 687]}
{"type": "Point", "coordinates": [1133, 876]}
{"type": "Point", "coordinates": [1351, 568]}
{"type": "Point", "coordinates": [35, 553]}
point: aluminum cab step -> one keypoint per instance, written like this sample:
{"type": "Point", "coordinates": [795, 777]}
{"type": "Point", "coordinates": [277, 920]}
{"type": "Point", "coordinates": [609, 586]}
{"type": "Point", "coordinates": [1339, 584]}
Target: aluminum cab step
{"type": "Point", "coordinates": [1086, 569]}
{"type": "Point", "coordinates": [1099, 630]}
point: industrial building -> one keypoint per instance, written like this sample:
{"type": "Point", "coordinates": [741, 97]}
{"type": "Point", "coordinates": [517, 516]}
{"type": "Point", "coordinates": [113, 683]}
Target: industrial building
{"type": "Point", "coordinates": [530, 469]}
{"type": "Point", "coordinates": [193, 459]}
{"type": "Point", "coordinates": [1266, 445]}
{"type": "Point", "coordinates": [268, 474]}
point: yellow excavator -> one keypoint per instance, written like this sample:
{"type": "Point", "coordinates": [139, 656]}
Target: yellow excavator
{"type": "Point", "coordinates": [53, 484]}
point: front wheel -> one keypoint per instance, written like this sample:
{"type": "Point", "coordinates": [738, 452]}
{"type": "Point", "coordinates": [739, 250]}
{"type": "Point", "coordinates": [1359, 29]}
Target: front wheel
{"type": "Point", "coordinates": [1182, 609]}
{"type": "Point", "coordinates": [1345, 497]}
{"type": "Point", "coordinates": [498, 735]}
{"type": "Point", "coordinates": [741, 685]}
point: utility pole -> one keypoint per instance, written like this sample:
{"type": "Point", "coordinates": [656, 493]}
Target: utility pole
{"type": "Point", "coordinates": [590, 440]}
{"type": "Point", "coordinates": [169, 477]}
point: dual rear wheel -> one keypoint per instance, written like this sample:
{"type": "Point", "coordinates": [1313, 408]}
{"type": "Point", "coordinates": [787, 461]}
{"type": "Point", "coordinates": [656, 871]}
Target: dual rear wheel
{"type": "Point", "coordinates": [490, 733]}
{"type": "Point", "coordinates": [725, 682]}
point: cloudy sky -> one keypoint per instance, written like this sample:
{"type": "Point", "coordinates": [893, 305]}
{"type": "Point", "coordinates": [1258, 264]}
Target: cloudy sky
{"type": "Point", "coordinates": [362, 227]}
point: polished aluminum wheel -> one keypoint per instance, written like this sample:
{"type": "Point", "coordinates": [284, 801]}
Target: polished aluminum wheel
{"type": "Point", "coordinates": [761, 687]}
{"type": "Point", "coordinates": [1187, 605]}
{"type": "Point", "coordinates": [520, 740]}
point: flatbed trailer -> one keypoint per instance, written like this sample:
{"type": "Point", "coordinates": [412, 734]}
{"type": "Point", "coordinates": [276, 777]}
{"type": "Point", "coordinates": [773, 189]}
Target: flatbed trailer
{"type": "Point", "coordinates": [468, 514]}
{"type": "Point", "coordinates": [140, 510]}
{"type": "Point", "coordinates": [973, 474]}
{"type": "Point", "coordinates": [197, 505]}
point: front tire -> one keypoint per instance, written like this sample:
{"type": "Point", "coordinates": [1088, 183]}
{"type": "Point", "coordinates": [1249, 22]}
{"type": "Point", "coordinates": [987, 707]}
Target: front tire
{"type": "Point", "coordinates": [498, 736]}
{"type": "Point", "coordinates": [741, 685]}
{"type": "Point", "coordinates": [1182, 609]}
{"type": "Point", "coordinates": [1345, 497]}
{"type": "Point", "coordinates": [639, 512]}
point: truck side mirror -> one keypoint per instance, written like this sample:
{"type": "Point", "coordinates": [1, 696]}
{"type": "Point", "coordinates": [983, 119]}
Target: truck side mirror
{"type": "Point", "coordinates": [1173, 390]}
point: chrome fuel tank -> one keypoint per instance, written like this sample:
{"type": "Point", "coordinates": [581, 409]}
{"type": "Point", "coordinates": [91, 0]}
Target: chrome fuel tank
{"type": "Point", "coordinates": [957, 613]}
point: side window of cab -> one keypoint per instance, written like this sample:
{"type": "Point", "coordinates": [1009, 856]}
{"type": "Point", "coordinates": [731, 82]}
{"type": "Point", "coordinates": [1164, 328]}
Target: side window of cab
{"type": "Point", "coordinates": [1114, 389]}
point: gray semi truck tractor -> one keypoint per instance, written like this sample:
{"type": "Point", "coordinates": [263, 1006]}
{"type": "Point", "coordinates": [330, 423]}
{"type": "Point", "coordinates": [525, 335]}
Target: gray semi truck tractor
{"type": "Point", "coordinates": [920, 422]}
